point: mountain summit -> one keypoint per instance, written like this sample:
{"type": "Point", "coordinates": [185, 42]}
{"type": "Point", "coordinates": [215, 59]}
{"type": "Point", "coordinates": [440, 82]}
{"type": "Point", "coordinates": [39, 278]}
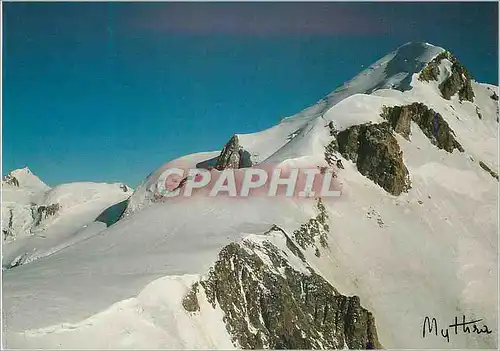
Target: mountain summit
{"type": "Point", "coordinates": [413, 142]}
{"type": "Point", "coordinates": [24, 177]}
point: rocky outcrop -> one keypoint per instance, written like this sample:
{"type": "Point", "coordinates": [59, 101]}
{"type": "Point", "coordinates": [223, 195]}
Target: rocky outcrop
{"type": "Point", "coordinates": [7, 231]}
{"type": "Point", "coordinates": [430, 122]}
{"type": "Point", "coordinates": [44, 212]}
{"type": "Point", "coordinates": [377, 155]}
{"type": "Point", "coordinates": [290, 244]}
{"type": "Point", "coordinates": [478, 113]}
{"type": "Point", "coordinates": [331, 151]}
{"type": "Point", "coordinates": [190, 301]}
{"type": "Point", "coordinates": [494, 96]}
{"type": "Point", "coordinates": [458, 80]}
{"type": "Point", "coordinates": [233, 156]}
{"type": "Point", "coordinates": [431, 70]}
{"type": "Point", "coordinates": [11, 180]}
{"type": "Point", "coordinates": [314, 231]}
{"type": "Point", "coordinates": [268, 303]}
{"type": "Point", "coordinates": [488, 169]}
{"type": "Point", "coordinates": [399, 118]}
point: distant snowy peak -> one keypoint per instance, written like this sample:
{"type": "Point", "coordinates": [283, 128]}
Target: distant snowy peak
{"type": "Point", "coordinates": [29, 205]}
{"type": "Point", "coordinates": [25, 178]}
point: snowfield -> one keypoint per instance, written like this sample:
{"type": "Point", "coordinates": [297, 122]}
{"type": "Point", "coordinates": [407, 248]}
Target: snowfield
{"type": "Point", "coordinates": [432, 251]}
{"type": "Point", "coordinates": [79, 205]}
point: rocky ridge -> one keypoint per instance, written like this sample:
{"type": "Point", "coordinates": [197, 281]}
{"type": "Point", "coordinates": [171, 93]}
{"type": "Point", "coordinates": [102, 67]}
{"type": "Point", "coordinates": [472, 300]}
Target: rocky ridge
{"type": "Point", "coordinates": [430, 122]}
{"type": "Point", "coordinates": [272, 298]}
{"type": "Point", "coordinates": [458, 79]}
{"type": "Point", "coordinates": [233, 156]}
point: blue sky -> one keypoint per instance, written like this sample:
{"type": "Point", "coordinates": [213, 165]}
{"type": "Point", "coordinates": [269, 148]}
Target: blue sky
{"type": "Point", "coordinates": [110, 91]}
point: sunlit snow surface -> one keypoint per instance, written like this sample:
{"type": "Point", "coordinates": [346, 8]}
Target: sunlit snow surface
{"type": "Point", "coordinates": [431, 252]}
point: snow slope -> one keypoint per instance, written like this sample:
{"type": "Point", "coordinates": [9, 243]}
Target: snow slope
{"type": "Point", "coordinates": [79, 204]}
{"type": "Point", "coordinates": [430, 252]}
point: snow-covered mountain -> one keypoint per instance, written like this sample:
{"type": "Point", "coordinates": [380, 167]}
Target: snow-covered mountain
{"type": "Point", "coordinates": [38, 221]}
{"type": "Point", "coordinates": [414, 234]}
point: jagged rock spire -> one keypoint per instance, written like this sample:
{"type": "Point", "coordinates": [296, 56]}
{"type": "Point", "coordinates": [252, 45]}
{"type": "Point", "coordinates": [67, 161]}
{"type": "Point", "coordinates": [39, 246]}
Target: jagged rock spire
{"type": "Point", "coordinates": [233, 156]}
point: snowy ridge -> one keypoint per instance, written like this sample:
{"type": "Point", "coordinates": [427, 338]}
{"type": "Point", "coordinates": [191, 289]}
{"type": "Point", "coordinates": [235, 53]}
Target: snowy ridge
{"type": "Point", "coordinates": [430, 251]}
{"type": "Point", "coordinates": [394, 71]}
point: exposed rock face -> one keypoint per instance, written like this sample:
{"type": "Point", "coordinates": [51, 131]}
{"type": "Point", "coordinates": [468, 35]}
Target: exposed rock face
{"type": "Point", "coordinates": [459, 80]}
{"type": "Point", "coordinates": [46, 211]}
{"type": "Point", "coordinates": [7, 231]}
{"type": "Point", "coordinates": [488, 169]}
{"type": "Point", "coordinates": [430, 122]}
{"type": "Point", "coordinates": [268, 303]}
{"type": "Point", "coordinates": [377, 155]}
{"type": "Point", "coordinates": [316, 229]}
{"type": "Point", "coordinates": [11, 180]}
{"type": "Point", "coordinates": [400, 117]}
{"type": "Point", "coordinates": [494, 96]}
{"type": "Point", "coordinates": [478, 113]}
{"type": "Point", "coordinates": [190, 301]}
{"type": "Point", "coordinates": [431, 70]}
{"type": "Point", "coordinates": [330, 152]}
{"type": "Point", "coordinates": [233, 156]}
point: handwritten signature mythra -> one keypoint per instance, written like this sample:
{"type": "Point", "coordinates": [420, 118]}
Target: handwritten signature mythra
{"type": "Point", "coordinates": [430, 326]}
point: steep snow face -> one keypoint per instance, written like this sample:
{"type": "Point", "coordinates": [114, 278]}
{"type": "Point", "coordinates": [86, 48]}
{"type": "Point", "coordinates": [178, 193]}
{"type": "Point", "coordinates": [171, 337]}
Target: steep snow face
{"type": "Point", "coordinates": [431, 251]}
